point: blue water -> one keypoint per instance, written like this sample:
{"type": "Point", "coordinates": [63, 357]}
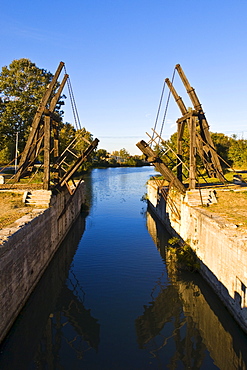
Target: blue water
{"type": "Point", "coordinates": [113, 299]}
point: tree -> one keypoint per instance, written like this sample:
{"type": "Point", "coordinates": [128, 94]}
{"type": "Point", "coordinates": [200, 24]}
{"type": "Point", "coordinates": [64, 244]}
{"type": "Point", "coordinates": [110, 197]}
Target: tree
{"type": "Point", "coordinates": [101, 158]}
{"type": "Point", "coordinates": [102, 154]}
{"type": "Point", "coordinates": [22, 86]}
{"type": "Point", "coordinates": [238, 153]}
{"type": "Point", "coordinates": [123, 153]}
{"type": "Point", "coordinates": [222, 145]}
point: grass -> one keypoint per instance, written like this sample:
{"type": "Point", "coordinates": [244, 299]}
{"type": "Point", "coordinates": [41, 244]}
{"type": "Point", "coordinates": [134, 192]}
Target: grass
{"type": "Point", "coordinates": [228, 175]}
{"type": "Point", "coordinates": [11, 208]}
{"type": "Point", "coordinates": [232, 206]}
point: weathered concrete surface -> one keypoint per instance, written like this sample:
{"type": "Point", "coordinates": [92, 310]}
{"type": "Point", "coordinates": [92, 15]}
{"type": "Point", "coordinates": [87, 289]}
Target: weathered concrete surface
{"type": "Point", "coordinates": [27, 249]}
{"type": "Point", "coordinates": [219, 245]}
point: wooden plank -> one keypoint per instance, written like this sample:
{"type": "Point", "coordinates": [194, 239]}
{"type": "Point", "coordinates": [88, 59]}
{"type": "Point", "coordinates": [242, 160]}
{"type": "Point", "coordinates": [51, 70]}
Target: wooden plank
{"type": "Point", "coordinates": [53, 115]}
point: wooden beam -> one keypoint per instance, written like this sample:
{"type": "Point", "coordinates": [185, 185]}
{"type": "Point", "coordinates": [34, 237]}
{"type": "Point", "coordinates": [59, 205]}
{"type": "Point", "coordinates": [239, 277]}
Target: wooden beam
{"type": "Point", "coordinates": [187, 116]}
{"type": "Point", "coordinates": [192, 128]}
{"type": "Point", "coordinates": [55, 117]}
{"type": "Point", "coordinates": [177, 98]}
{"type": "Point", "coordinates": [160, 166]}
{"type": "Point", "coordinates": [58, 94]}
{"type": "Point", "coordinates": [180, 128]}
{"type": "Point", "coordinates": [190, 90]}
{"type": "Point", "coordinates": [47, 148]}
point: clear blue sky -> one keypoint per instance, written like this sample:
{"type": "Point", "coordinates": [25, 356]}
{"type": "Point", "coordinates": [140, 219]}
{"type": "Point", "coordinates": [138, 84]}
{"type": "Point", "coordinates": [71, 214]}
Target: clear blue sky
{"type": "Point", "coordinates": [118, 54]}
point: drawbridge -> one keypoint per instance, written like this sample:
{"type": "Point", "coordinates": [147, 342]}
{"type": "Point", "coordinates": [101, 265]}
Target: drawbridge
{"type": "Point", "coordinates": [178, 172]}
{"type": "Point", "coordinates": [58, 169]}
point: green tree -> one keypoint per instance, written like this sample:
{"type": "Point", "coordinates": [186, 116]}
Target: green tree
{"type": "Point", "coordinates": [123, 153]}
{"type": "Point", "coordinates": [222, 145]}
{"type": "Point", "coordinates": [22, 86]}
{"type": "Point", "coordinates": [116, 153]}
{"type": "Point", "coordinates": [101, 158]}
{"type": "Point", "coordinates": [134, 161]}
{"type": "Point", "coordinates": [101, 154]}
{"type": "Point", "coordinates": [238, 153]}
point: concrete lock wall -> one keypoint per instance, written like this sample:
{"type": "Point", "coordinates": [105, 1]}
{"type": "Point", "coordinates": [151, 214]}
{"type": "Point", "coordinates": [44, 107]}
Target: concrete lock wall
{"type": "Point", "coordinates": [25, 254]}
{"type": "Point", "coordinates": [220, 247]}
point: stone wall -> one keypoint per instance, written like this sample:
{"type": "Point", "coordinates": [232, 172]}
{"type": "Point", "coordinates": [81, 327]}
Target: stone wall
{"type": "Point", "coordinates": [25, 254]}
{"type": "Point", "coordinates": [220, 246]}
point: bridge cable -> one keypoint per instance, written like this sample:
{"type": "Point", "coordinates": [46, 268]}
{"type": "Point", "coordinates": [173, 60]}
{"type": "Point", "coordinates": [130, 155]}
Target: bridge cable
{"type": "Point", "coordinates": [166, 108]}
{"type": "Point", "coordinates": [73, 103]}
{"type": "Point", "coordinates": [157, 116]}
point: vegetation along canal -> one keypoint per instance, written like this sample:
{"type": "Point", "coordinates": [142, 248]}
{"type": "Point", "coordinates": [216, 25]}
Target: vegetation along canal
{"type": "Point", "coordinates": [113, 298]}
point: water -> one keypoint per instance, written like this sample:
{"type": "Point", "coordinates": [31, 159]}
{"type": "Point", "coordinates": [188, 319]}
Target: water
{"type": "Point", "coordinates": [112, 298]}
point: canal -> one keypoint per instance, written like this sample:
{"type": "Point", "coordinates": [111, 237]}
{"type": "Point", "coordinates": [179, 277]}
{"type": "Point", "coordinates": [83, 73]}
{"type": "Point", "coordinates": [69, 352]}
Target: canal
{"type": "Point", "coordinates": [113, 297]}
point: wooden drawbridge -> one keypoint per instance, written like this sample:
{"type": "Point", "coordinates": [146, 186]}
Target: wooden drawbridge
{"type": "Point", "coordinates": [200, 143]}
{"type": "Point", "coordinates": [44, 138]}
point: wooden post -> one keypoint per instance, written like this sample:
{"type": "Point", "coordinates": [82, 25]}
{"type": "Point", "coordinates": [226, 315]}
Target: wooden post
{"type": "Point", "coordinates": [179, 150]}
{"type": "Point", "coordinates": [56, 149]}
{"type": "Point", "coordinates": [47, 148]}
{"type": "Point", "coordinates": [192, 128]}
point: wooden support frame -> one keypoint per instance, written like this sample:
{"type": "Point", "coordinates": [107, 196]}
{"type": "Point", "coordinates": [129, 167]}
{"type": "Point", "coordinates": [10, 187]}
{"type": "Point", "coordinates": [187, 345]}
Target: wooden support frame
{"type": "Point", "coordinates": [204, 127]}
{"type": "Point", "coordinates": [200, 141]}
{"type": "Point", "coordinates": [204, 144]}
{"type": "Point", "coordinates": [44, 135]}
{"type": "Point", "coordinates": [27, 158]}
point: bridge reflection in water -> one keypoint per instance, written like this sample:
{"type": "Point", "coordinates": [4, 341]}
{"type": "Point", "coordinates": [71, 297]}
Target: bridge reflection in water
{"type": "Point", "coordinates": [60, 328]}
{"type": "Point", "coordinates": [193, 316]}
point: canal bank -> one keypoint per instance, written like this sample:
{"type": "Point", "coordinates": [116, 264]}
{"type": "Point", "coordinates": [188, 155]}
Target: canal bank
{"type": "Point", "coordinates": [114, 301]}
{"type": "Point", "coordinates": [219, 245]}
{"type": "Point", "coordinates": [26, 251]}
